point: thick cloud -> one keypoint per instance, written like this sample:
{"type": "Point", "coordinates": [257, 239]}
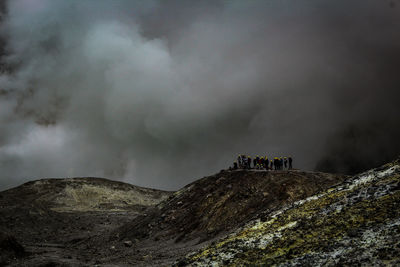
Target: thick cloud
{"type": "Point", "coordinates": [160, 93]}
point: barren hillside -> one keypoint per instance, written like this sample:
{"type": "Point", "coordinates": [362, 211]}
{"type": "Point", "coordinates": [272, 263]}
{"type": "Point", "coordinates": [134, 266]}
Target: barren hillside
{"type": "Point", "coordinates": [236, 217]}
{"type": "Point", "coordinates": [205, 210]}
{"type": "Point", "coordinates": [49, 217]}
{"type": "Point", "coordinates": [352, 224]}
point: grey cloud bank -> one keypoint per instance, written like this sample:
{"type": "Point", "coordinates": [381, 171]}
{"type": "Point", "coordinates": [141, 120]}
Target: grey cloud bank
{"type": "Point", "coordinates": [161, 93]}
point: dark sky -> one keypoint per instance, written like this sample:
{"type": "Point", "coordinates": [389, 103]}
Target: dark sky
{"type": "Point", "coordinates": [160, 93]}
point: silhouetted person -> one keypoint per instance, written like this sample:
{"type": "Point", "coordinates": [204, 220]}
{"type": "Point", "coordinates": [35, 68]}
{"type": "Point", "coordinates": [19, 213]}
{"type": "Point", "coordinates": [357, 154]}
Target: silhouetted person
{"type": "Point", "coordinates": [244, 161]}
{"type": "Point", "coordinates": [239, 161]}
{"type": "Point", "coordinates": [235, 165]}
{"type": "Point", "coordinates": [285, 162]}
{"type": "Point", "coordinates": [272, 164]}
{"type": "Point", "coordinates": [254, 162]}
{"type": "Point", "coordinates": [290, 163]}
{"type": "Point", "coordinates": [262, 162]}
{"type": "Point", "coordinates": [249, 162]}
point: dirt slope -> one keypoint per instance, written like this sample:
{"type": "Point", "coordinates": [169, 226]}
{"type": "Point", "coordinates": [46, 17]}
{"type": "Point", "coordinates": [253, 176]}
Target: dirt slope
{"type": "Point", "coordinates": [9, 248]}
{"type": "Point", "coordinates": [90, 221]}
{"type": "Point", "coordinates": [224, 201]}
{"type": "Point", "coordinates": [204, 211]}
{"type": "Point", "coordinates": [48, 218]}
{"type": "Point", "coordinates": [84, 194]}
{"type": "Point", "coordinates": [354, 223]}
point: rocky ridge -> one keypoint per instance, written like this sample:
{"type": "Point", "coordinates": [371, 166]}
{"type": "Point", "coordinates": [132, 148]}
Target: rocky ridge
{"type": "Point", "coordinates": [237, 217]}
{"type": "Point", "coordinates": [206, 210]}
{"type": "Point", "coordinates": [222, 202]}
{"type": "Point", "coordinates": [356, 222]}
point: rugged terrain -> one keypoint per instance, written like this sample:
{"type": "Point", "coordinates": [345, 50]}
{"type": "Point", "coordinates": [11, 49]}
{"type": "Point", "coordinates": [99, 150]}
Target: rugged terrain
{"type": "Point", "coordinates": [354, 223]}
{"type": "Point", "coordinates": [237, 217]}
{"type": "Point", "coordinates": [92, 221]}
{"type": "Point", "coordinates": [41, 222]}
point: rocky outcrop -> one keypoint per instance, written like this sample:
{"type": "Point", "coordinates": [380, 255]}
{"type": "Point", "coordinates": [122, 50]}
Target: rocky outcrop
{"type": "Point", "coordinates": [356, 222]}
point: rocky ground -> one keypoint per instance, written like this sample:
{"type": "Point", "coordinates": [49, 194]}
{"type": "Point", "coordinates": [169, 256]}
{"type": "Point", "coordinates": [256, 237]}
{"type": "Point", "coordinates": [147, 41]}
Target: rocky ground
{"type": "Point", "coordinates": [222, 202]}
{"type": "Point", "coordinates": [91, 221]}
{"type": "Point", "coordinates": [354, 223]}
{"type": "Point", "coordinates": [233, 218]}
{"type": "Point", "coordinates": [43, 223]}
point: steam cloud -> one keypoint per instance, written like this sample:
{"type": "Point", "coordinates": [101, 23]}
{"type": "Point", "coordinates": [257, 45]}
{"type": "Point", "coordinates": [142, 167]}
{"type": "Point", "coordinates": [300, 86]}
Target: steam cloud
{"type": "Point", "coordinates": [160, 93]}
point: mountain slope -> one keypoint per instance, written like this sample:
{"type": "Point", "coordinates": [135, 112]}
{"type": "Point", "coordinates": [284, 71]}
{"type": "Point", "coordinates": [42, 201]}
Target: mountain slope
{"type": "Point", "coordinates": [239, 217]}
{"type": "Point", "coordinates": [84, 194]}
{"type": "Point", "coordinates": [355, 222]}
{"type": "Point", "coordinates": [47, 218]}
{"type": "Point", "coordinates": [222, 202]}
{"type": "Point", "coordinates": [206, 210]}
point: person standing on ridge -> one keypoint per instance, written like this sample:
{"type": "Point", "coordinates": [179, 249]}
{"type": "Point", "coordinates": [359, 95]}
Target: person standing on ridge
{"type": "Point", "coordinates": [272, 165]}
{"type": "Point", "coordinates": [239, 161]}
{"type": "Point", "coordinates": [262, 161]}
{"type": "Point", "coordinates": [244, 161]}
{"type": "Point", "coordinates": [290, 163]}
{"type": "Point", "coordinates": [285, 162]}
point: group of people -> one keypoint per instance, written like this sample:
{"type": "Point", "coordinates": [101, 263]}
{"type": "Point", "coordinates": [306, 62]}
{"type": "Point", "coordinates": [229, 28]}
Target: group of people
{"type": "Point", "coordinates": [263, 163]}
